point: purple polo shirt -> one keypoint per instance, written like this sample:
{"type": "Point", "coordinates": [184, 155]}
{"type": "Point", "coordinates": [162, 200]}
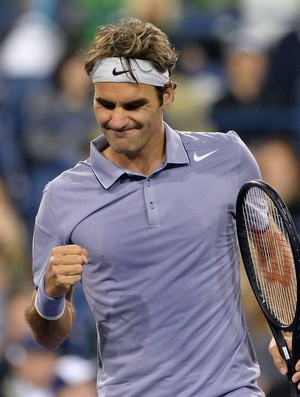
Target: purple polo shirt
{"type": "Point", "coordinates": [163, 274]}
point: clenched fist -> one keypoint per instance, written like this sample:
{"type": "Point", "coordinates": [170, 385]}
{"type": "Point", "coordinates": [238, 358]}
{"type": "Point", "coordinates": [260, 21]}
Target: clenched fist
{"type": "Point", "coordinates": [65, 269]}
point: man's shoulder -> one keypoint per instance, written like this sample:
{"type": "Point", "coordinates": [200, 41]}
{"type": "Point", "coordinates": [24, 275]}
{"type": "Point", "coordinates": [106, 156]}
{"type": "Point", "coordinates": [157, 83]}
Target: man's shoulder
{"type": "Point", "coordinates": [72, 176]}
{"type": "Point", "coordinates": [191, 138]}
{"type": "Point", "coordinates": [199, 138]}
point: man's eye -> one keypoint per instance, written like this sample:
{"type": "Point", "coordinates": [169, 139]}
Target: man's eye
{"type": "Point", "coordinates": [106, 105]}
{"type": "Point", "coordinates": [134, 105]}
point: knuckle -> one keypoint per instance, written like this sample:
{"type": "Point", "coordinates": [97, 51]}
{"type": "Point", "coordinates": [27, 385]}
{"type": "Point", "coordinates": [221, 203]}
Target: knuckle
{"type": "Point", "coordinates": [56, 250]}
{"type": "Point", "coordinates": [54, 260]}
{"type": "Point", "coordinates": [76, 249]}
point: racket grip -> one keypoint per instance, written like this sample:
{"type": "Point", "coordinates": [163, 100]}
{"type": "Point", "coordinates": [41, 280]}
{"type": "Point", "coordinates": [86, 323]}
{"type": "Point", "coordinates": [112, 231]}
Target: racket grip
{"type": "Point", "coordinates": [295, 392]}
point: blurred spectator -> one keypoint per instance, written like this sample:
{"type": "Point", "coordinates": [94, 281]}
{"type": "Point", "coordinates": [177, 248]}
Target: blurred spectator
{"type": "Point", "coordinates": [284, 77]}
{"type": "Point", "coordinates": [268, 19]}
{"type": "Point", "coordinates": [32, 48]}
{"type": "Point", "coordinates": [29, 53]}
{"type": "Point", "coordinates": [207, 20]}
{"type": "Point", "coordinates": [12, 167]}
{"type": "Point", "coordinates": [27, 369]}
{"type": "Point", "coordinates": [245, 106]}
{"type": "Point", "coordinates": [94, 13]}
{"type": "Point", "coordinates": [165, 14]}
{"type": "Point", "coordinates": [14, 253]}
{"type": "Point", "coordinates": [279, 160]}
{"type": "Point", "coordinates": [35, 372]}
{"type": "Point", "coordinates": [14, 263]}
{"type": "Point", "coordinates": [83, 390]}
{"type": "Point", "coordinates": [15, 328]}
{"type": "Point", "coordinates": [59, 125]}
{"type": "Point", "coordinates": [200, 82]}
{"type": "Point", "coordinates": [30, 372]}
{"type": "Point", "coordinates": [75, 377]}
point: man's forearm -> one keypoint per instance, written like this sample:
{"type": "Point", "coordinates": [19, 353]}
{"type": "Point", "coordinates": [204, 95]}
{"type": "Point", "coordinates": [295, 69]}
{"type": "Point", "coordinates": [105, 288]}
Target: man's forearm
{"type": "Point", "coordinates": [49, 333]}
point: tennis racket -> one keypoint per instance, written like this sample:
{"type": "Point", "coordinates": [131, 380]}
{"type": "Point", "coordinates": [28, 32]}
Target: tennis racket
{"type": "Point", "coordinates": [270, 251]}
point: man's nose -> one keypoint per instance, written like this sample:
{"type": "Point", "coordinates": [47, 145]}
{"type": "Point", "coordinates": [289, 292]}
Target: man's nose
{"type": "Point", "coordinates": [118, 119]}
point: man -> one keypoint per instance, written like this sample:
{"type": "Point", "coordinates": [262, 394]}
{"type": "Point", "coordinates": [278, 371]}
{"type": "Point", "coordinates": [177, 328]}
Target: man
{"type": "Point", "coordinates": [147, 224]}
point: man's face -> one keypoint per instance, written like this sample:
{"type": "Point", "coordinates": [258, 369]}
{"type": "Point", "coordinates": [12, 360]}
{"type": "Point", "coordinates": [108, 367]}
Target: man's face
{"type": "Point", "coordinates": [130, 115]}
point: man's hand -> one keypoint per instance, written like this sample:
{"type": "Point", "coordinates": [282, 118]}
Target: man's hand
{"type": "Point", "coordinates": [65, 269]}
{"type": "Point", "coordinates": [279, 361]}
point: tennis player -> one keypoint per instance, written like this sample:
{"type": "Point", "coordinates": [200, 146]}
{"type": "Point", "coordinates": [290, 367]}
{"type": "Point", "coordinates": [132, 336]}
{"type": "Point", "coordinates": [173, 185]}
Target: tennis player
{"type": "Point", "coordinates": [147, 225]}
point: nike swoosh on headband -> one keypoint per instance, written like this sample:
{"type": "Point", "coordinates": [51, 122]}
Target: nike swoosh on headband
{"type": "Point", "coordinates": [199, 158]}
{"type": "Point", "coordinates": [116, 72]}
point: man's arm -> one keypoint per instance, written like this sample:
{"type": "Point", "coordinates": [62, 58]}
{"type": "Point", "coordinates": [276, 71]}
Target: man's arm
{"type": "Point", "coordinates": [50, 312]}
{"type": "Point", "coordinates": [49, 333]}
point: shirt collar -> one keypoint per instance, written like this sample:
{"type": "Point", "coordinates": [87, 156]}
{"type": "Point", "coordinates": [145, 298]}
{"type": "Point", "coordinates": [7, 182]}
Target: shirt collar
{"type": "Point", "coordinates": [108, 173]}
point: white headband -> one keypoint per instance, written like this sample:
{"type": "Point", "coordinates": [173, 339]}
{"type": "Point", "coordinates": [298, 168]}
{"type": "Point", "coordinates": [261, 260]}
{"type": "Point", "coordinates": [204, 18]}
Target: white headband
{"type": "Point", "coordinates": [114, 70]}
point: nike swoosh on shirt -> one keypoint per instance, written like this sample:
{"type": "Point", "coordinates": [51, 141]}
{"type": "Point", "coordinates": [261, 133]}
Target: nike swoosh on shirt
{"type": "Point", "coordinates": [199, 158]}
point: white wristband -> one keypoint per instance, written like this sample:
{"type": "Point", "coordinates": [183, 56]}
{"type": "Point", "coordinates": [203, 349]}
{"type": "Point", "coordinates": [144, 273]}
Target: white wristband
{"type": "Point", "coordinates": [47, 307]}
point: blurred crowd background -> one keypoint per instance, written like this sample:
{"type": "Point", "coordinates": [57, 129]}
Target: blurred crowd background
{"type": "Point", "coordinates": [238, 69]}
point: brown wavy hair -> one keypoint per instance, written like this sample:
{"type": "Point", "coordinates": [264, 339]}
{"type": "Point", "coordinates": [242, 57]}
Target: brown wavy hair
{"type": "Point", "coordinates": [132, 38]}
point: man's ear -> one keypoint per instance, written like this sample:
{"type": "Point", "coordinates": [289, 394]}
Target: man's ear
{"type": "Point", "coordinates": [168, 95]}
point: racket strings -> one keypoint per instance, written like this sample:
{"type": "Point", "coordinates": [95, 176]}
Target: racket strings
{"type": "Point", "coordinates": [272, 256]}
